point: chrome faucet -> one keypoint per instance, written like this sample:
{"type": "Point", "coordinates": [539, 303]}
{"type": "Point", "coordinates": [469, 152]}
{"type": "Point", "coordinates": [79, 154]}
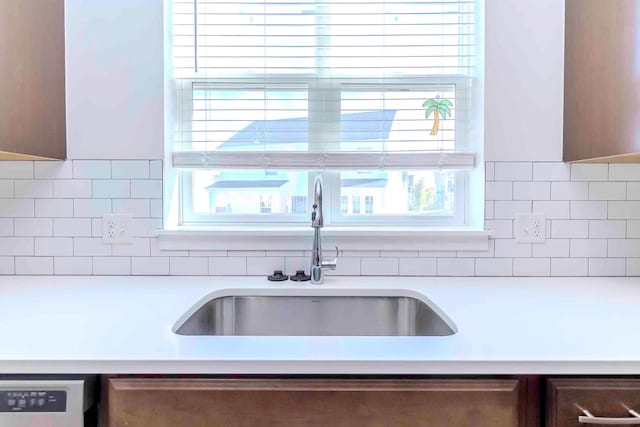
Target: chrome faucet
{"type": "Point", "coordinates": [318, 265]}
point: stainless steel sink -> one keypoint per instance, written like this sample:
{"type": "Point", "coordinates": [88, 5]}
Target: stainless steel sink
{"type": "Point", "coordinates": [316, 314]}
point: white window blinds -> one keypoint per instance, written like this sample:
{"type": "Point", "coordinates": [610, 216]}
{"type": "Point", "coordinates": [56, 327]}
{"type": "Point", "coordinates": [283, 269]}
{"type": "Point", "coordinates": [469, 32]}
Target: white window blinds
{"type": "Point", "coordinates": [313, 84]}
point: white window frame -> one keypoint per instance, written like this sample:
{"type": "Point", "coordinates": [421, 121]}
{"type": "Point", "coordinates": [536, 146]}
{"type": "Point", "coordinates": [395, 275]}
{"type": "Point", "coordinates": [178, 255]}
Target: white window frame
{"type": "Point", "coordinates": [282, 236]}
{"type": "Point", "coordinates": [331, 179]}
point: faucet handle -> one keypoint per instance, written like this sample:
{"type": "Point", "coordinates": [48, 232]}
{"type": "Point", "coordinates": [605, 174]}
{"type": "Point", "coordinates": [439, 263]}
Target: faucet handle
{"type": "Point", "coordinates": [332, 263]}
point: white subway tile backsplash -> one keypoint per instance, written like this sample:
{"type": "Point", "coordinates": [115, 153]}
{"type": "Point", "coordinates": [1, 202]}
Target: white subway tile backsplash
{"type": "Point", "coordinates": [6, 189]}
{"type": "Point", "coordinates": [33, 227]}
{"type": "Point", "coordinates": [398, 254]}
{"type": "Point", "coordinates": [16, 208]}
{"type": "Point", "coordinates": [34, 265]}
{"type": "Point", "coordinates": [130, 169]}
{"type": "Point", "coordinates": [552, 209]}
{"type": "Point", "coordinates": [91, 169]}
{"type": "Point", "coordinates": [54, 208]}
{"type": "Point", "coordinates": [455, 267]}
{"type": "Point", "coordinates": [569, 191]}
{"type": "Point", "coordinates": [569, 267]}
{"type": "Point", "coordinates": [563, 228]}
{"type": "Point", "coordinates": [230, 266]}
{"type": "Point", "coordinates": [494, 267]}
{"type": "Point", "coordinates": [531, 190]}
{"type": "Point", "coordinates": [499, 190]}
{"type": "Point", "coordinates": [296, 263]}
{"type": "Point", "coordinates": [146, 189]}
{"type": "Point", "coordinates": [90, 246]}
{"type": "Point", "coordinates": [623, 248]}
{"type": "Point", "coordinates": [72, 189]}
{"type": "Point", "coordinates": [607, 229]}
{"type": "Point", "coordinates": [51, 223]}
{"type": "Point", "coordinates": [72, 227]}
{"type": "Point", "coordinates": [509, 209]}
{"type": "Point", "coordinates": [139, 208]}
{"type": "Point", "coordinates": [588, 248]}
{"type": "Point", "coordinates": [145, 227]}
{"type": "Point", "coordinates": [623, 210]}
{"type": "Point", "coordinates": [150, 266]}
{"type": "Point", "coordinates": [633, 190]}
{"type": "Point", "coordinates": [553, 248]}
{"type": "Point", "coordinates": [140, 246]}
{"type": "Point", "coordinates": [7, 265]}
{"type": "Point", "coordinates": [551, 171]}
{"type": "Point", "coordinates": [588, 210]}
{"type": "Point", "coordinates": [633, 229]}
{"type": "Point", "coordinates": [155, 169]}
{"type": "Point", "coordinates": [607, 266]}
{"type": "Point", "coordinates": [16, 246]}
{"type": "Point", "coordinates": [532, 267]}
{"type": "Point", "coordinates": [189, 266]}
{"type": "Point", "coordinates": [589, 172]}
{"type": "Point", "coordinates": [489, 171]}
{"type": "Point", "coordinates": [264, 266]}
{"type": "Point", "coordinates": [379, 266]}
{"type": "Point", "coordinates": [16, 170]}
{"type": "Point", "coordinates": [111, 188]}
{"type": "Point", "coordinates": [502, 228]}
{"type": "Point", "coordinates": [489, 209]}
{"type": "Point", "coordinates": [91, 208]}
{"type": "Point", "coordinates": [417, 266]}
{"type": "Point", "coordinates": [345, 267]}
{"type": "Point", "coordinates": [33, 188]}
{"type": "Point", "coordinates": [607, 190]}
{"type": "Point", "coordinates": [510, 248]}
{"type": "Point", "coordinates": [513, 171]}
{"type": "Point", "coordinates": [155, 208]}
{"type": "Point", "coordinates": [53, 170]}
{"type": "Point", "coordinates": [73, 265]}
{"type": "Point", "coordinates": [112, 266]}
{"type": "Point", "coordinates": [633, 267]}
{"type": "Point", "coordinates": [6, 227]}
{"type": "Point", "coordinates": [624, 172]}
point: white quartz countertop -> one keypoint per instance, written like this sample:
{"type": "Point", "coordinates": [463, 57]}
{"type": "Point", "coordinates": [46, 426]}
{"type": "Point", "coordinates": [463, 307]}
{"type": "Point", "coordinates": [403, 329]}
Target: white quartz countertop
{"type": "Point", "coordinates": [505, 326]}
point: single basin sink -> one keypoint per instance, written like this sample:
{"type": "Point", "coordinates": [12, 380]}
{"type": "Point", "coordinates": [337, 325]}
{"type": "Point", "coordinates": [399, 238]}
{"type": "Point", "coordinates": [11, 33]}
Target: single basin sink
{"type": "Point", "coordinates": [316, 313]}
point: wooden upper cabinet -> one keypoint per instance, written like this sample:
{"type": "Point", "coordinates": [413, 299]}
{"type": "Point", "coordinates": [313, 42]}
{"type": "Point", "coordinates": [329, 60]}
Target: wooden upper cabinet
{"type": "Point", "coordinates": [32, 79]}
{"type": "Point", "coordinates": [602, 80]}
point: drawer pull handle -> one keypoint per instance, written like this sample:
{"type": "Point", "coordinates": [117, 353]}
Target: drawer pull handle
{"type": "Point", "coordinates": [589, 418]}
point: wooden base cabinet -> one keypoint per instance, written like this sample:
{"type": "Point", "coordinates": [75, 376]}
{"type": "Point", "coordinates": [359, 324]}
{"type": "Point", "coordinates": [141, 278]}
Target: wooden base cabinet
{"type": "Point", "coordinates": [191, 402]}
{"type": "Point", "coordinates": [598, 401]}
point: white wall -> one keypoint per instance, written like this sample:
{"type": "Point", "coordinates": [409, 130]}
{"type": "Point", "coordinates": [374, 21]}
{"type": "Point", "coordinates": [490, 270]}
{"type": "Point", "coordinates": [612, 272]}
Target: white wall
{"type": "Point", "coordinates": [524, 59]}
{"type": "Point", "coordinates": [114, 58]}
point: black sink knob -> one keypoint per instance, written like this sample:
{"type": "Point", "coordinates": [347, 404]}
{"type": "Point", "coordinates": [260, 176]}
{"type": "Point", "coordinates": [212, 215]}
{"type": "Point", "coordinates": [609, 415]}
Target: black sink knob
{"type": "Point", "coordinates": [277, 276]}
{"type": "Point", "coordinates": [300, 277]}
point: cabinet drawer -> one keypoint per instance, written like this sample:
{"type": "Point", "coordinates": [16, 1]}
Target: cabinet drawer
{"type": "Point", "coordinates": [313, 402]}
{"type": "Point", "coordinates": [567, 399]}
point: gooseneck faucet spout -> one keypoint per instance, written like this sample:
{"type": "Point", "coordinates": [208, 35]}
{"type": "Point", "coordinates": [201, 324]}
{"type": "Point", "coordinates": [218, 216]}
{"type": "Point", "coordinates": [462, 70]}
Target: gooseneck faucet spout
{"type": "Point", "coordinates": [318, 264]}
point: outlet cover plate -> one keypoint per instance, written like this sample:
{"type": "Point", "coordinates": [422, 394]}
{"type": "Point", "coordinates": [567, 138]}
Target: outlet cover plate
{"type": "Point", "coordinates": [531, 227]}
{"type": "Point", "coordinates": [116, 229]}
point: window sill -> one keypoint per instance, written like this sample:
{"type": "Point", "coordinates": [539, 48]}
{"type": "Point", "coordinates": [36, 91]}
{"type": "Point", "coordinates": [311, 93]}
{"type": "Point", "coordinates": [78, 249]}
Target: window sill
{"type": "Point", "coordinates": [346, 238]}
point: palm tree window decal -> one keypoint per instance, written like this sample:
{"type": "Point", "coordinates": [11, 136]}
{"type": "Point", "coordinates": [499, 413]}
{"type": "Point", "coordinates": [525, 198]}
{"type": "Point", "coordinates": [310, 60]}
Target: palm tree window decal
{"type": "Point", "coordinates": [440, 108]}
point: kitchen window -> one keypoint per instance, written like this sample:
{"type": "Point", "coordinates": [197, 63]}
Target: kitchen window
{"type": "Point", "coordinates": [377, 96]}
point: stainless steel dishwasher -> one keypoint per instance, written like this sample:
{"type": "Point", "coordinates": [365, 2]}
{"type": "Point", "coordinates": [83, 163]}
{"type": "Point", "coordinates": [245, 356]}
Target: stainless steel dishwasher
{"type": "Point", "coordinates": [48, 401]}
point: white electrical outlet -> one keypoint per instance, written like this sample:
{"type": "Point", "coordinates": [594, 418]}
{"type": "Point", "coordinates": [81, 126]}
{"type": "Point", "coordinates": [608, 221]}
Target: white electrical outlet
{"type": "Point", "coordinates": [531, 228]}
{"type": "Point", "coordinates": [116, 228]}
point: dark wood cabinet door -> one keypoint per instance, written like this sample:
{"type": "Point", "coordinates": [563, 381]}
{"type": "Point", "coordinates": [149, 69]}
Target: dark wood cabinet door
{"type": "Point", "coordinates": [137, 402]}
{"type": "Point", "coordinates": [567, 399]}
{"type": "Point", "coordinates": [601, 84]}
{"type": "Point", "coordinates": [32, 79]}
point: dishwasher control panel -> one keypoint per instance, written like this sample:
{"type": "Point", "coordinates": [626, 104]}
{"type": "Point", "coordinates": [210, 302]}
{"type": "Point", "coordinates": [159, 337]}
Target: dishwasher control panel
{"type": "Point", "coordinates": [33, 400]}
